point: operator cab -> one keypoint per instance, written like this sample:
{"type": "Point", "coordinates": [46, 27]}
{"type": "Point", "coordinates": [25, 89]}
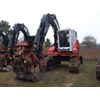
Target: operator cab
{"type": "Point", "coordinates": [66, 39]}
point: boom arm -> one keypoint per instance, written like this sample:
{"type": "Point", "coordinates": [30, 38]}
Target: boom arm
{"type": "Point", "coordinates": [46, 21]}
{"type": "Point", "coordinates": [16, 31]}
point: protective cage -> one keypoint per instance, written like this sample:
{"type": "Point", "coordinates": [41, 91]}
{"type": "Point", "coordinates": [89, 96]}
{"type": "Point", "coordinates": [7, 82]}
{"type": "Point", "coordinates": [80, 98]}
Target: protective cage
{"type": "Point", "coordinates": [66, 39]}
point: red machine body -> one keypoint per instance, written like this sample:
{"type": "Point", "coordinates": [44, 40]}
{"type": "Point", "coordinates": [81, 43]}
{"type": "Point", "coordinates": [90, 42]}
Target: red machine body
{"type": "Point", "coordinates": [71, 50]}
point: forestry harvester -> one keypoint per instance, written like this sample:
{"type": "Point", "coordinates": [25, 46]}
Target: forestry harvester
{"type": "Point", "coordinates": [65, 48]}
{"type": "Point", "coordinates": [4, 54]}
{"type": "Point", "coordinates": [24, 59]}
{"type": "Point", "coordinates": [98, 70]}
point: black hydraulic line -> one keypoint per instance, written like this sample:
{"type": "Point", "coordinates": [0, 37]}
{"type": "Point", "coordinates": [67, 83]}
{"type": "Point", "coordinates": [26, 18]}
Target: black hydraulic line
{"type": "Point", "coordinates": [46, 21]}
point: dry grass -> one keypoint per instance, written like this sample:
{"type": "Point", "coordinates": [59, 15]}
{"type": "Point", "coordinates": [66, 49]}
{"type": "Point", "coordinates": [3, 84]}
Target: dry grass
{"type": "Point", "coordinates": [91, 54]}
{"type": "Point", "coordinates": [57, 77]}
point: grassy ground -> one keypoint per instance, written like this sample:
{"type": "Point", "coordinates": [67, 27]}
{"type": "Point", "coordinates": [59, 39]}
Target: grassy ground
{"type": "Point", "coordinates": [57, 77]}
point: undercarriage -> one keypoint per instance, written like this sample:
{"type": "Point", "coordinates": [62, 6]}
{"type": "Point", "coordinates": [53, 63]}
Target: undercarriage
{"type": "Point", "coordinates": [49, 62]}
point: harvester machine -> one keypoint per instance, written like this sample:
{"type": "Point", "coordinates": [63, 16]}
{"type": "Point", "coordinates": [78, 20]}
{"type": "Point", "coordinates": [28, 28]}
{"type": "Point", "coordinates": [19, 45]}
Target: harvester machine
{"type": "Point", "coordinates": [98, 70]}
{"type": "Point", "coordinates": [24, 59]}
{"type": "Point", "coordinates": [4, 54]}
{"type": "Point", "coordinates": [65, 47]}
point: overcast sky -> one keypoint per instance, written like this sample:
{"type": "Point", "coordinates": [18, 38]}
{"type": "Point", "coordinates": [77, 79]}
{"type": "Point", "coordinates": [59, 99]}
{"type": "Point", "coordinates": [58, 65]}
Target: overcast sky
{"type": "Point", "coordinates": [81, 15]}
